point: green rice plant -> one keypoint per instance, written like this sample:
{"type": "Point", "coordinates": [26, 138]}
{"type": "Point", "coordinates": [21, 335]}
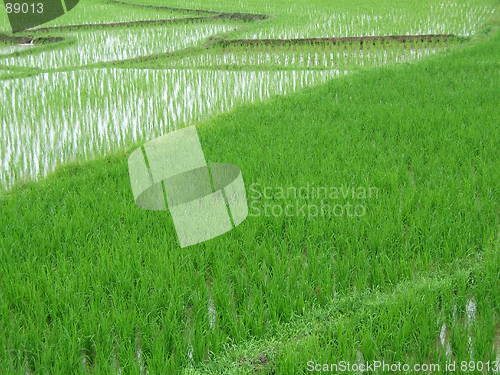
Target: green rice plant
{"type": "Point", "coordinates": [88, 277]}
{"type": "Point", "coordinates": [55, 118]}
{"type": "Point", "coordinates": [345, 56]}
{"type": "Point", "coordinates": [323, 18]}
{"type": "Point", "coordinates": [443, 327]}
{"type": "Point", "coordinates": [89, 283]}
{"type": "Point", "coordinates": [92, 47]}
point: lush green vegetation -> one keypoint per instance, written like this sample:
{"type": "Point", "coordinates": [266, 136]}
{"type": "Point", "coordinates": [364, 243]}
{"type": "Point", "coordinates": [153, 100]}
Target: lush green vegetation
{"type": "Point", "coordinates": [83, 114]}
{"type": "Point", "coordinates": [306, 18]}
{"type": "Point", "coordinates": [190, 43]}
{"type": "Point", "coordinates": [92, 47]}
{"type": "Point", "coordinates": [89, 283]}
{"type": "Point", "coordinates": [325, 56]}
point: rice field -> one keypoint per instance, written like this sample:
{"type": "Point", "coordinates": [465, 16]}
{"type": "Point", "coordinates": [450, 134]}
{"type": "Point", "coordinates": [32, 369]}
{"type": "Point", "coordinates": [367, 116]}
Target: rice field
{"type": "Point", "coordinates": [7, 50]}
{"type": "Point", "coordinates": [97, 46]}
{"type": "Point", "coordinates": [326, 57]}
{"type": "Point", "coordinates": [176, 47]}
{"type": "Point", "coordinates": [55, 118]}
{"type": "Point", "coordinates": [404, 131]}
{"type": "Point", "coordinates": [458, 18]}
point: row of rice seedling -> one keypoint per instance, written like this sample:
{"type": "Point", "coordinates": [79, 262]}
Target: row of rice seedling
{"type": "Point", "coordinates": [58, 117]}
{"type": "Point", "coordinates": [77, 252]}
{"type": "Point", "coordinates": [450, 327]}
{"type": "Point", "coordinates": [462, 19]}
{"type": "Point", "coordinates": [98, 11]}
{"type": "Point", "coordinates": [91, 280]}
{"type": "Point", "coordinates": [302, 18]}
{"type": "Point", "coordinates": [343, 56]}
{"type": "Point", "coordinates": [104, 45]}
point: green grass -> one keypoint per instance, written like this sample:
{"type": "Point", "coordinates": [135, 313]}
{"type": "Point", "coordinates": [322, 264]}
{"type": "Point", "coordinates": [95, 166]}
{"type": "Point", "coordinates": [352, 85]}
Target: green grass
{"type": "Point", "coordinates": [90, 283]}
{"type": "Point", "coordinates": [305, 18]}
{"type": "Point", "coordinates": [345, 56]}
{"type": "Point", "coordinates": [86, 274]}
{"type": "Point", "coordinates": [30, 153]}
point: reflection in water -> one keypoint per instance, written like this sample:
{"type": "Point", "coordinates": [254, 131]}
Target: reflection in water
{"type": "Point", "coordinates": [55, 118]}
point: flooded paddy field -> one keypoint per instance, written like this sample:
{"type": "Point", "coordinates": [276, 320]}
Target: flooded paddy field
{"type": "Point", "coordinates": [54, 118]}
{"type": "Point", "coordinates": [405, 109]}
